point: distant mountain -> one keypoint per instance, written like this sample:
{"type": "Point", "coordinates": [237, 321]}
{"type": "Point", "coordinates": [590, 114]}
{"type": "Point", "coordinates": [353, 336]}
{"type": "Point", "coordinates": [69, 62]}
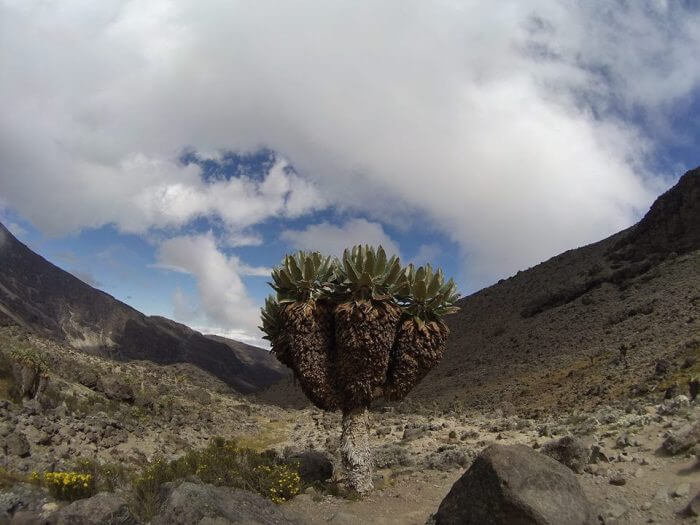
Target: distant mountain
{"type": "Point", "coordinates": [586, 326]}
{"type": "Point", "coordinates": [40, 296]}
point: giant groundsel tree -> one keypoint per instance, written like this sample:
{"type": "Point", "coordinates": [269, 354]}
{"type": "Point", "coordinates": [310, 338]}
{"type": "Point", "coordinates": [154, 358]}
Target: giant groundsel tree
{"type": "Point", "coordinates": [356, 329]}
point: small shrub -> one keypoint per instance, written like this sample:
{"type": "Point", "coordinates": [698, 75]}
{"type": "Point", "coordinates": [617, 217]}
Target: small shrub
{"type": "Point", "coordinates": [30, 357]}
{"type": "Point", "coordinates": [69, 486]}
{"type": "Point", "coordinates": [223, 463]}
{"type": "Point", "coordinates": [107, 477]}
{"type": "Point", "coordinates": [146, 487]}
{"type": "Point", "coordinates": [280, 483]}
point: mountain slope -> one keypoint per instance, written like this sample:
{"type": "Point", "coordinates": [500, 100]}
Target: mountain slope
{"type": "Point", "coordinates": [587, 325]}
{"type": "Point", "coordinates": [582, 328]}
{"type": "Point", "coordinates": [39, 296]}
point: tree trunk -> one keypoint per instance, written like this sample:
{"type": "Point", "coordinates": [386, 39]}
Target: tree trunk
{"type": "Point", "coordinates": [355, 451]}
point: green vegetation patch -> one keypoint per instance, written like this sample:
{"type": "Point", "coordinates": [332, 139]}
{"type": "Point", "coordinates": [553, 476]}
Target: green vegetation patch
{"type": "Point", "coordinates": [223, 463]}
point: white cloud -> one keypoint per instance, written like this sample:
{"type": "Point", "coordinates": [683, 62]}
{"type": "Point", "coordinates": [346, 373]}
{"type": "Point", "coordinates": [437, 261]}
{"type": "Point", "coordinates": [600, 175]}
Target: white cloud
{"type": "Point", "coordinates": [427, 253]}
{"type": "Point", "coordinates": [332, 240]}
{"type": "Point", "coordinates": [238, 239]}
{"type": "Point", "coordinates": [509, 129]}
{"type": "Point", "coordinates": [222, 302]}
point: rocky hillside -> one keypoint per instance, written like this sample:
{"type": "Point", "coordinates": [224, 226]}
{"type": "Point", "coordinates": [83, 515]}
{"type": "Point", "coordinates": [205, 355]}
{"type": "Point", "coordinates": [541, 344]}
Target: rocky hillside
{"type": "Point", "coordinates": [39, 296]}
{"type": "Point", "coordinates": [616, 318]}
{"type": "Point", "coordinates": [145, 434]}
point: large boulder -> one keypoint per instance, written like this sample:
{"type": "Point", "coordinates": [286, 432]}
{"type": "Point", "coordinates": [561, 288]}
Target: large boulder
{"type": "Point", "coordinates": [682, 439]}
{"type": "Point", "coordinates": [115, 388]}
{"type": "Point", "coordinates": [568, 451]}
{"type": "Point", "coordinates": [197, 504]}
{"type": "Point", "coordinates": [16, 444]}
{"type": "Point", "coordinates": [21, 497]}
{"type": "Point", "coordinates": [103, 509]}
{"type": "Point", "coordinates": [314, 466]}
{"type": "Point", "coordinates": [514, 485]}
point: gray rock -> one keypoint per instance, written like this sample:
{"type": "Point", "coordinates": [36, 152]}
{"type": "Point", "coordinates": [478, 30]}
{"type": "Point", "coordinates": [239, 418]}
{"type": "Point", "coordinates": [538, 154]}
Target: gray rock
{"type": "Point", "coordinates": [103, 509]}
{"type": "Point", "coordinates": [191, 503]}
{"type": "Point", "coordinates": [673, 406]}
{"type": "Point", "coordinates": [20, 497]}
{"type": "Point", "coordinates": [617, 479]}
{"type": "Point", "coordinates": [515, 485]}
{"type": "Point", "coordinates": [314, 466]}
{"type": "Point", "coordinates": [682, 440]}
{"type": "Point", "coordinates": [598, 454]}
{"type": "Point", "coordinates": [568, 451]}
{"type": "Point", "coordinates": [693, 508]}
{"type": "Point", "coordinates": [16, 444]}
{"type": "Point", "coordinates": [113, 387]}
{"type": "Point", "coordinates": [681, 490]}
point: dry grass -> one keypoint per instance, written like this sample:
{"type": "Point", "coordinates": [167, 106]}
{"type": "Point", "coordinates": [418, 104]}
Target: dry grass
{"type": "Point", "coordinates": [270, 433]}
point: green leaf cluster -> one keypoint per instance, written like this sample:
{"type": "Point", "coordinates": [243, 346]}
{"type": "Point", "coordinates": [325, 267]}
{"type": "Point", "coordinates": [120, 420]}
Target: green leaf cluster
{"type": "Point", "coordinates": [302, 276]}
{"type": "Point", "coordinates": [366, 273]}
{"type": "Point", "coordinates": [363, 273]}
{"type": "Point", "coordinates": [424, 295]}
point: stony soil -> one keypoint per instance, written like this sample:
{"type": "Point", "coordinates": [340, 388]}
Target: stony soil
{"type": "Point", "coordinates": [419, 452]}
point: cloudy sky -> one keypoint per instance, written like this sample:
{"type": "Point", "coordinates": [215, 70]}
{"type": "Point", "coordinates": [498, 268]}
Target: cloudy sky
{"type": "Point", "coordinates": [170, 152]}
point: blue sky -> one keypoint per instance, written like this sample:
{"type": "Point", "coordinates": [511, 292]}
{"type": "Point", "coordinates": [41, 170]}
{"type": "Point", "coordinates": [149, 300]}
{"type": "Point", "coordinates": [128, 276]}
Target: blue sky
{"type": "Point", "coordinates": [170, 152]}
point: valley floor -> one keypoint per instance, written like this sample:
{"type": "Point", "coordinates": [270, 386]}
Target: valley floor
{"type": "Point", "coordinates": [643, 466]}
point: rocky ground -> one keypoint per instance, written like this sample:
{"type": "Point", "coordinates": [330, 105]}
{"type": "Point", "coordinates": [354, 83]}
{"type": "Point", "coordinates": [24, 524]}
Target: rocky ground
{"type": "Point", "coordinates": [636, 460]}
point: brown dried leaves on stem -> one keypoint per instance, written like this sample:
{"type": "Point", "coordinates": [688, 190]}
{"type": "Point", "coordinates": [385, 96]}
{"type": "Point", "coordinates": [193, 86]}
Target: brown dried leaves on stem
{"type": "Point", "coordinates": [364, 332]}
{"type": "Point", "coordinates": [310, 332]}
{"type": "Point", "coordinates": [417, 350]}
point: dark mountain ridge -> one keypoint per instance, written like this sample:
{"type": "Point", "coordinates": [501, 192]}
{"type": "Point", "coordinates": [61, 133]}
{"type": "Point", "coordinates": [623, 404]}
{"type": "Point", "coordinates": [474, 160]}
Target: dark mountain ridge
{"type": "Point", "coordinates": [51, 302]}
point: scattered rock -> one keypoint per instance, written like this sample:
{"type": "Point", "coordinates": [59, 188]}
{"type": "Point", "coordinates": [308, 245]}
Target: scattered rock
{"type": "Point", "coordinates": [114, 387]}
{"type": "Point", "coordinates": [661, 495]}
{"type": "Point", "coordinates": [682, 440]}
{"type": "Point", "coordinates": [617, 479]}
{"type": "Point", "coordinates": [662, 367]}
{"type": "Point", "coordinates": [623, 440]}
{"type": "Point", "coordinates": [568, 451]}
{"type": "Point", "coordinates": [20, 497]}
{"type": "Point", "coordinates": [673, 406]}
{"type": "Point", "coordinates": [693, 507]}
{"type": "Point", "coordinates": [191, 503]}
{"type": "Point", "coordinates": [514, 484]}
{"type": "Point", "coordinates": [681, 490]}
{"type": "Point", "coordinates": [87, 377]}
{"type": "Point", "coordinates": [16, 444]}
{"type": "Point", "coordinates": [598, 454]}
{"type": "Point", "coordinates": [103, 509]}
